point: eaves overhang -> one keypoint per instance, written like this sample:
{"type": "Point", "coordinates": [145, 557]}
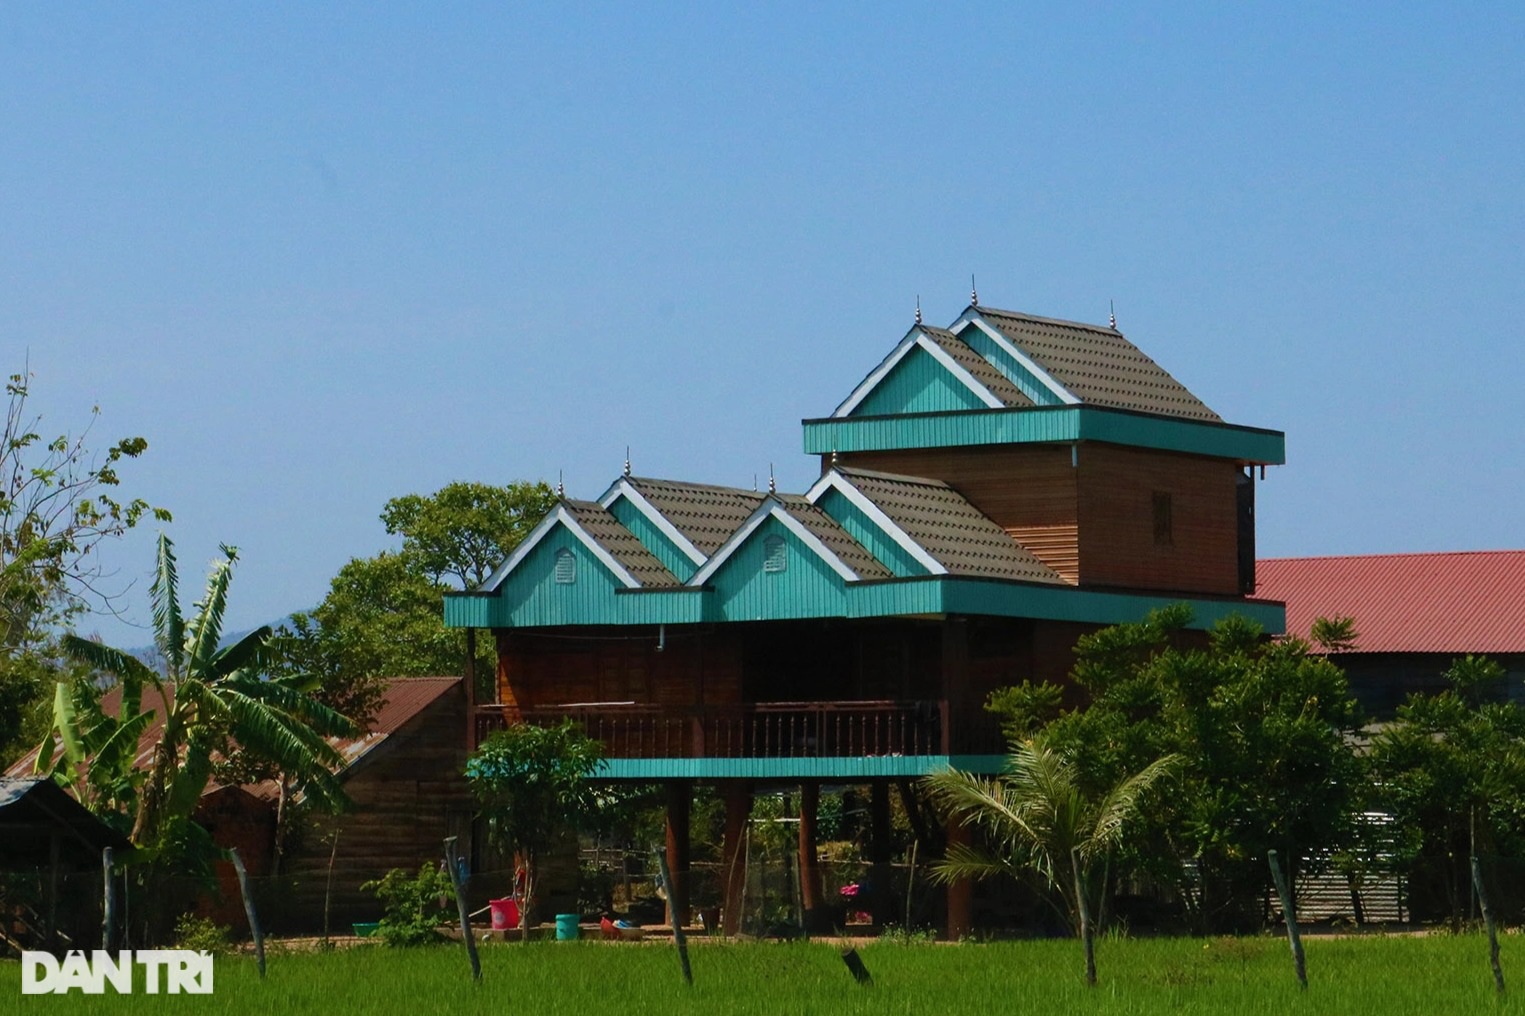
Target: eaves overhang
{"type": "Point", "coordinates": [1045, 425]}
{"type": "Point", "coordinates": [915, 596]}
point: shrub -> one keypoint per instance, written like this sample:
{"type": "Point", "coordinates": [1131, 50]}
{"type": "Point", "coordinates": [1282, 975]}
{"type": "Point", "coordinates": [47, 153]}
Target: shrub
{"type": "Point", "coordinates": [202, 934]}
{"type": "Point", "coordinates": [412, 906]}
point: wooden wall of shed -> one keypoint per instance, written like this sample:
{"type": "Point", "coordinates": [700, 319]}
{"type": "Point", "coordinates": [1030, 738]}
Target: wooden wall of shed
{"type": "Point", "coordinates": [1029, 490]}
{"type": "Point", "coordinates": [1117, 537]}
{"type": "Point", "coordinates": [409, 794]}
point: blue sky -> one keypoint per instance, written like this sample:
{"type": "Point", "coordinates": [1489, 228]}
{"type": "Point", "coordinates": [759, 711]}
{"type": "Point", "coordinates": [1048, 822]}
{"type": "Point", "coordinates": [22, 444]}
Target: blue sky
{"type": "Point", "coordinates": [324, 255]}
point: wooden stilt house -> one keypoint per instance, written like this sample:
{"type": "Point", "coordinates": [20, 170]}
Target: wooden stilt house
{"type": "Point", "coordinates": [988, 492]}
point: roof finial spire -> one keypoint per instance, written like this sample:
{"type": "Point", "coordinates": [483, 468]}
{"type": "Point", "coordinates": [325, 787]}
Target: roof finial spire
{"type": "Point", "coordinates": [772, 485]}
{"type": "Point", "coordinates": [974, 294]}
{"type": "Point", "coordinates": [754, 481]}
{"type": "Point", "coordinates": [561, 487]}
{"type": "Point", "coordinates": [627, 460]}
{"type": "Point", "coordinates": [918, 308]}
{"type": "Point", "coordinates": [1112, 314]}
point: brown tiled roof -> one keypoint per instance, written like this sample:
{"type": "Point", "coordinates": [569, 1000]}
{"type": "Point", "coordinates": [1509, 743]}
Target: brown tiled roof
{"type": "Point", "coordinates": [983, 371]}
{"type": "Point", "coordinates": [956, 533]}
{"type": "Point", "coordinates": [836, 539]}
{"type": "Point", "coordinates": [706, 514]}
{"type": "Point", "coordinates": [1098, 365]}
{"type": "Point", "coordinates": [621, 543]}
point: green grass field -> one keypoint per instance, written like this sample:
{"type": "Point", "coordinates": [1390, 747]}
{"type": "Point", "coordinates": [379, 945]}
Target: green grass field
{"type": "Point", "coordinates": [1429, 975]}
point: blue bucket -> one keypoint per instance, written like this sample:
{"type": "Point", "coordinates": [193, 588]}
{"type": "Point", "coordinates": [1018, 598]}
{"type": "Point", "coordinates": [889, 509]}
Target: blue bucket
{"type": "Point", "coordinates": [566, 927]}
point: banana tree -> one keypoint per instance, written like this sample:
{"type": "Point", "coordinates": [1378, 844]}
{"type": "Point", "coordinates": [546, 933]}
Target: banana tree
{"type": "Point", "coordinates": [215, 700]}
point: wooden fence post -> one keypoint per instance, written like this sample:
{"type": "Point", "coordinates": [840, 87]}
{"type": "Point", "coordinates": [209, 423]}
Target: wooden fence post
{"type": "Point", "coordinates": [678, 937]}
{"type": "Point", "coordinates": [243, 889]}
{"type": "Point", "coordinates": [460, 906]}
{"type": "Point", "coordinates": [108, 900]}
{"type": "Point", "coordinates": [1289, 912]}
{"type": "Point", "coordinates": [1493, 935]}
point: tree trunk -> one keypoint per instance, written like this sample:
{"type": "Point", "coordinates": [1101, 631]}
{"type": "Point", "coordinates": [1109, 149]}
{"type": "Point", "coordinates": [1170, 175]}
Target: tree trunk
{"type": "Point", "coordinates": [1084, 910]}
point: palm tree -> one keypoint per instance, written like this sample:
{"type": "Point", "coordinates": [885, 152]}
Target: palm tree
{"type": "Point", "coordinates": [215, 700]}
{"type": "Point", "coordinates": [1036, 819]}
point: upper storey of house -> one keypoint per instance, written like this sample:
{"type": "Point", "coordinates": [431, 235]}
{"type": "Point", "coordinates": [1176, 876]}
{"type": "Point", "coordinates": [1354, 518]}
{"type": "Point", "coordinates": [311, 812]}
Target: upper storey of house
{"type": "Point", "coordinates": [997, 377]}
{"type": "Point", "coordinates": [1007, 465]}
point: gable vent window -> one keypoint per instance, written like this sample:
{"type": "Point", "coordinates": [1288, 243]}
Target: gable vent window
{"type": "Point", "coordinates": [775, 554]}
{"type": "Point", "coordinates": [566, 567]}
{"type": "Point", "coordinates": [1164, 524]}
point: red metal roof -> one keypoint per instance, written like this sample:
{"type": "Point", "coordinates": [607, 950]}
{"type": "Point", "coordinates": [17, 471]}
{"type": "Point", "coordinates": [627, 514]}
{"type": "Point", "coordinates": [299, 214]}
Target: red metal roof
{"type": "Point", "coordinates": [1461, 602]}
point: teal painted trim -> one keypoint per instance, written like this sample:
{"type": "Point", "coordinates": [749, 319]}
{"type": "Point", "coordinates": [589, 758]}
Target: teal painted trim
{"type": "Point", "coordinates": [930, 595]}
{"type": "Point", "coordinates": [1044, 425]}
{"type": "Point", "coordinates": [1063, 603]}
{"type": "Point", "coordinates": [976, 339]}
{"type": "Point", "coordinates": [918, 384]}
{"type": "Point", "coordinates": [875, 540]}
{"type": "Point", "coordinates": [653, 539]}
{"type": "Point", "coordinates": [872, 767]}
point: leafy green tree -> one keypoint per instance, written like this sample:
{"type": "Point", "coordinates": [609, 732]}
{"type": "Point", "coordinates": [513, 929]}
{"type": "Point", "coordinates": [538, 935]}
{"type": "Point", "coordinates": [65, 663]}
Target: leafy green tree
{"type": "Point", "coordinates": [383, 615]}
{"type": "Point", "coordinates": [1265, 731]}
{"type": "Point", "coordinates": [1451, 772]}
{"type": "Point", "coordinates": [533, 785]}
{"type": "Point", "coordinates": [464, 530]}
{"type": "Point", "coordinates": [58, 504]}
{"type": "Point", "coordinates": [1037, 818]}
{"type": "Point", "coordinates": [215, 701]}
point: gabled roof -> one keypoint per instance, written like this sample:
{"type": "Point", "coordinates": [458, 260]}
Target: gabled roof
{"type": "Point", "coordinates": [1094, 363]}
{"type": "Point", "coordinates": [937, 525]}
{"type": "Point", "coordinates": [32, 802]}
{"type": "Point", "coordinates": [1461, 602]}
{"type": "Point", "coordinates": [590, 523]}
{"type": "Point", "coordinates": [813, 527]}
{"type": "Point", "coordinates": [621, 544]}
{"type": "Point", "coordinates": [963, 364]}
{"type": "Point", "coordinates": [701, 515]}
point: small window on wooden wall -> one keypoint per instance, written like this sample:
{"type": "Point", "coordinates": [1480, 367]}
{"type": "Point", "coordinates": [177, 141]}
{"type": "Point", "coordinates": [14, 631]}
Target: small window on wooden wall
{"type": "Point", "coordinates": [566, 567]}
{"type": "Point", "coordinates": [1164, 525]}
{"type": "Point", "coordinates": [775, 554]}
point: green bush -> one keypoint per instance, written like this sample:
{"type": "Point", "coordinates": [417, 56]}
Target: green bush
{"type": "Point", "coordinates": [412, 906]}
{"type": "Point", "coordinates": [202, 934]}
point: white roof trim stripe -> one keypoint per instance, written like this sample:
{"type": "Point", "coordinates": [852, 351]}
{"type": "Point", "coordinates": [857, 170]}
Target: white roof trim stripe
{"type": "Point", "coordinates": [771, 508]}
{"type": "Point", "coordinates": [836, 481]}
{"type": "Point", "coordinates": [1044, 377]}
{"type": "Point", "coordinates": [626, 489]}
{"type": "Point", "coordinates": [558, 516]}
{"type": "Point", "coordinates": [959, 371]}
{"type": "Point", "coordinates": [869, 383]}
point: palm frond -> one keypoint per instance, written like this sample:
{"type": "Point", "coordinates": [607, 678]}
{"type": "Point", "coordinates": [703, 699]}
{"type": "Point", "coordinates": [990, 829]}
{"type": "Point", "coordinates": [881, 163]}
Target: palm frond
{"type": "Point", "coordinates": [132, 672]}
{"type": "Point", "coordinates": [169, 627]}
{"type": "Point", "coordinates": [249, 651]}
{"type": "Point", "coordinates": [1121, 804]}
{"type": "Point", "coordinates": [206, 626]}
{"type": "Point", "coordinates": [294, 702]}
{"type": "Point", "coordinates": [963, 861]}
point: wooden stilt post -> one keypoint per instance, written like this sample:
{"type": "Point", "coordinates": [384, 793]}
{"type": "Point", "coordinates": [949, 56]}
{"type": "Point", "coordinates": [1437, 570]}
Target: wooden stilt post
{"type": "Point", "coordinates": [679, 807]}
{"type": "Point", "coordinates": [814, 916]}
{"type": "Point", "coordinates": [452, 862]}
{"type": "Point", "coordinates": [738, 808]}
{"type": "Point", "coordinates": [882, 902]}
{"type": "Point", "coordinates": [1289, 912]}
{"type": "Point", "coordinates": [53, 861]}
{"type": "Point", "coordinates": [243, 889]}
{"type": "Point", "coordinates": [960, 893]}
{"type": "Point", "coordinates": [1493, 933]}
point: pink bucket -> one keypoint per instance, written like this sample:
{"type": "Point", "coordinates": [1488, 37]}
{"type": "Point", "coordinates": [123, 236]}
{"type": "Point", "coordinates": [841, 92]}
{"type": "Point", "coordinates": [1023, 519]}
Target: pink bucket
{"type": "Point", "coordinates": [505, 914]}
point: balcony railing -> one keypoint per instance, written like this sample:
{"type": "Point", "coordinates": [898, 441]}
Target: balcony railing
{"type": "Point", "coordinates": [758, 730]}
